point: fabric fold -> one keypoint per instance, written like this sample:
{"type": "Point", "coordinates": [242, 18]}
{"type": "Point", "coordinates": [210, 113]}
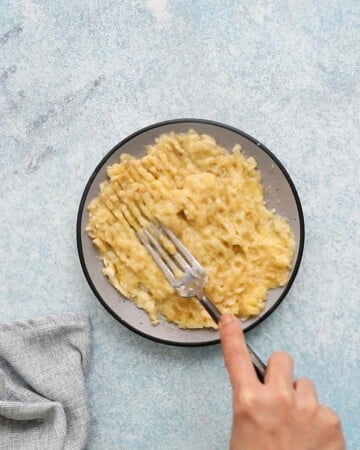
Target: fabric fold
{"type": "Point", "coordinates": [43, 402]}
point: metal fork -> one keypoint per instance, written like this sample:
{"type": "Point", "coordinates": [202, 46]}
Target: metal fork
{"type": "Point", "coordinates": [184, 273]}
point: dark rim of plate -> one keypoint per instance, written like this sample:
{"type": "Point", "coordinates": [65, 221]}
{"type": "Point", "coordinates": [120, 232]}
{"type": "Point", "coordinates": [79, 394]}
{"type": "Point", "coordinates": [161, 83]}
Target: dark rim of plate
{"type": "Point", "coordinates": [216, 124]}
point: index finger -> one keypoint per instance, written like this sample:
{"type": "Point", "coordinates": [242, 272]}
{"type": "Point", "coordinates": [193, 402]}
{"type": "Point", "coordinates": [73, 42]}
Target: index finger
{"type": "Point", "coordinates": [236, 355]}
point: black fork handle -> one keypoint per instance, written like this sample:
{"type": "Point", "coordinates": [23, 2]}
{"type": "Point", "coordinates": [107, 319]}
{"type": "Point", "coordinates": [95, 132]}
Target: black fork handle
{"type": "Point", "coordinates": [215, 314]}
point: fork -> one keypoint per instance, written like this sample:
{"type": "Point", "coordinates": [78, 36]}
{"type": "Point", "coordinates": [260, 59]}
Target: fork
{"type": "Point", "coordinates": [184, 273]}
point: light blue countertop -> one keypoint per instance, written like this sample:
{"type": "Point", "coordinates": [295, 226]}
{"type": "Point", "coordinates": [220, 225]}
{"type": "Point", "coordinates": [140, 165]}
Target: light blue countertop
{"type": "Point", "coordinates": [77, 77]}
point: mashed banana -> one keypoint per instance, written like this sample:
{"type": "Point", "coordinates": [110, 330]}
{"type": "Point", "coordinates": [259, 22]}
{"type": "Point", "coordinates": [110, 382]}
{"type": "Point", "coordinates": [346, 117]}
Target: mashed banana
{"type": "Point", "coordinates": [213, 201]}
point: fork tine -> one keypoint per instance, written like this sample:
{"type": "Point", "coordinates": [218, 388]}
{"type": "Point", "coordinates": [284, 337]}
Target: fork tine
{"type": "Point", "coordinates": [180, 247]}
{"type": "Point", "coordinates": [182, 263]}
{"type": "Point", "coordinates": [161, 251]}
{"type": "Point", "coordinates": [144, 238]}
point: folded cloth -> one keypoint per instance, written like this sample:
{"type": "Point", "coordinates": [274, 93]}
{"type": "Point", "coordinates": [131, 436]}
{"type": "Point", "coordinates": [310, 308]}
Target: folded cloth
{"type": "Point", "coordinates": [42, 383]}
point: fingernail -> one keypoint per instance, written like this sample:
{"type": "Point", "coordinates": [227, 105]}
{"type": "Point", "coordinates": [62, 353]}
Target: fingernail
{"type": "Point", "coordinates": [226, 319]}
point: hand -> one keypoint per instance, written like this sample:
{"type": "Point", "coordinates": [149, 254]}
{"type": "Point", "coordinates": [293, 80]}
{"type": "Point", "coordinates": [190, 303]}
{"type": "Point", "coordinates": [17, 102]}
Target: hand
{"type": "Point", "coordinates": [280, 414]}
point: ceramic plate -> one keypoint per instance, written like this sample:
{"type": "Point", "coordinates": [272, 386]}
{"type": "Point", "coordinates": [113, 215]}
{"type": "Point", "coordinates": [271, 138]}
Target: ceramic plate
{"type": "Point", "coordinates": [280, 193]}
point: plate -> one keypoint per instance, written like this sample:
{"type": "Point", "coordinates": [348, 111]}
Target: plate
{"type": "Point", "coordinates": [280, 193]}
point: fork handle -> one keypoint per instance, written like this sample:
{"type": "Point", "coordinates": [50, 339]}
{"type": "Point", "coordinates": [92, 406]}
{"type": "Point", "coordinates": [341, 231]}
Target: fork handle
{"type": "Point", "coordinates": [210, 308]}
{"type": "Point", "coordinates": [259, 366]}
{"type": "Point", "coordinates": [215, 314]}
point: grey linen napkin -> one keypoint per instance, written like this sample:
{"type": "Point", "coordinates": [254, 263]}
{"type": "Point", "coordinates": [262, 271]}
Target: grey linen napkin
{"type": "Point", "coordinates": [42, 384]}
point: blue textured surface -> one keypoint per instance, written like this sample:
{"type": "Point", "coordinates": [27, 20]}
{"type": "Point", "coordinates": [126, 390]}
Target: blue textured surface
{"type": "Point", "coordinates": [78, 76]}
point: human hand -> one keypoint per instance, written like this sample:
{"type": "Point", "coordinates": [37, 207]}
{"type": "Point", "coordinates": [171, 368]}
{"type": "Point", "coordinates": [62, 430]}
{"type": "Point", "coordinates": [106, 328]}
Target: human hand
{"type": "Point", "coordinates": [280, 414]}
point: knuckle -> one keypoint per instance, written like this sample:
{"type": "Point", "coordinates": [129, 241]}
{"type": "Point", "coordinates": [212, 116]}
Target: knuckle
{"type": "Point", "coordinates": [306, 382]}
{"type": "Point", "coordinates": [245, 405]}
{"type": "Point", "coordinates": [281, 357]}
{"type": "Point", "coordinates": [284, 398]}
{"type": "Point", "coordinates": [307, 407]}
{"type": "Point", "coordinates": [329, 418]}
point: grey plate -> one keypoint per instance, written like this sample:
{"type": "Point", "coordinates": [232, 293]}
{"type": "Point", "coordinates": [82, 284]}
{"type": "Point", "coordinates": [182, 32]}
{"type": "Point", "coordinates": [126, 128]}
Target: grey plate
{"type": "Point", "coordinates": [280, 193]}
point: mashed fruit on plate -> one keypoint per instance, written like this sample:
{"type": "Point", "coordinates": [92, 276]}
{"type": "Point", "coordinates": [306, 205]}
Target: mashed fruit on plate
{"type": "Point", "coordinates": [213, 201]}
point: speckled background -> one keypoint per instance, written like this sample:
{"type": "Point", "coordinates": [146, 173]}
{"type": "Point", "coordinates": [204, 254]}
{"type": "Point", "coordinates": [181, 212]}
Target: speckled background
{"type": "Point", "coordinates": [77, 77]}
